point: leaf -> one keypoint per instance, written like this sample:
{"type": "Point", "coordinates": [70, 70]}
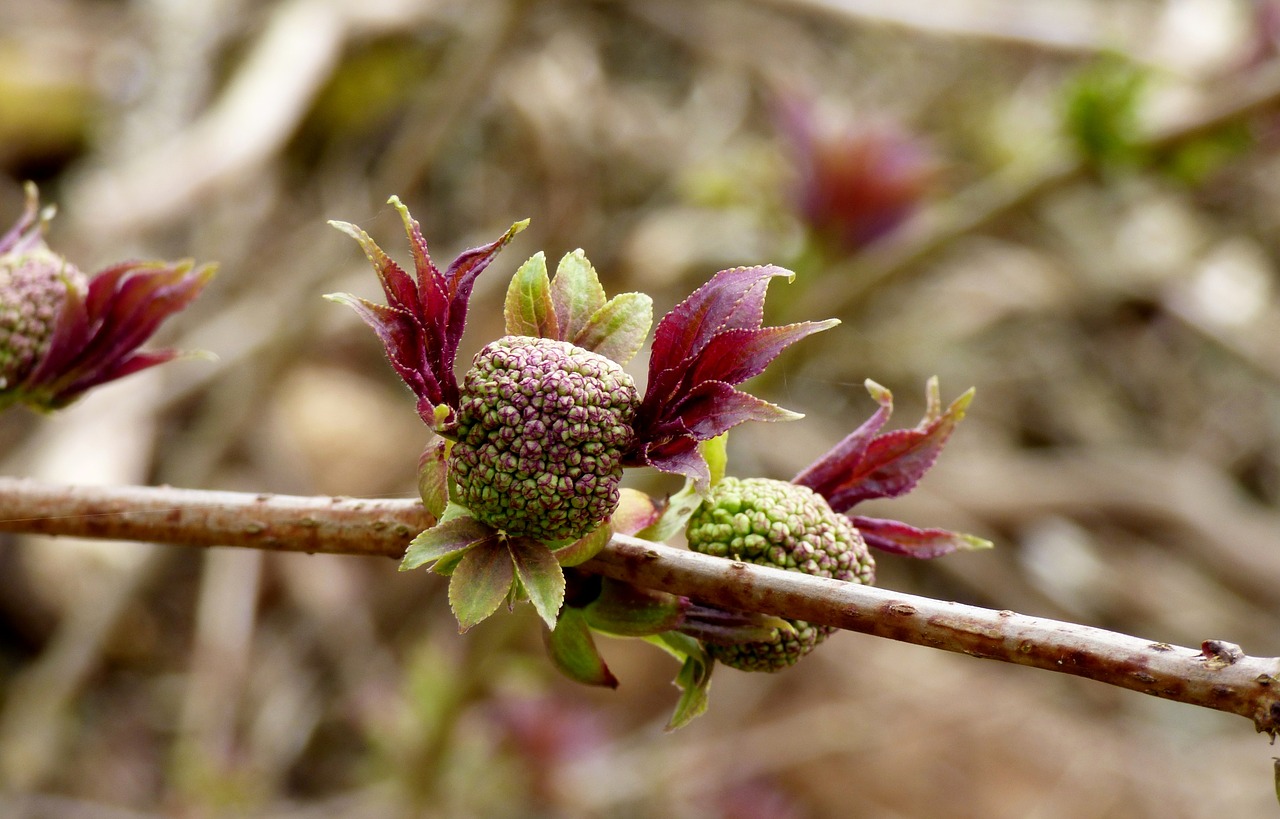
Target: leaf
{"type": "Point", "coordinates": [680, 507]}
{"type": "Point", "coordinates": [541, 576]}
{"type": "Point", "coordinates": [824, 474]}
{"type": "Point", "coordinates": [625, 610]}
{"type": "Point", "coordinates": [585, 547]}
{"type": "Point", "coordinates": [636, 510]}
{"type": "Point", "coordinates": [736, 355]}
{"type": "Point", "coordinates": [528, 309]}
{"type": "Point", "coordinates": [574, 652]}
{"type": "Point", "coordinates": [680, 456]}
{"type": "Point", "coordinates": [889, 464]}
{"type": "Point", "coordinates": [694, 682]}
{"type": "Point", "coordinates": [576, 293]}
{"type": "Point", "coordinates": [481, 582]}
{"type": "Point", "coordinates": [618, 329]}
{"type": "Point", "coordinates": [433, 476]}
{"type": "Point", "coordinates": [443, 539]}
{"type": "Point", "coordinates": [899, 538]}
{"type": "Point", "coordinates": [716, 453]}
{"type": "Point", "coordinates": [714, 407]}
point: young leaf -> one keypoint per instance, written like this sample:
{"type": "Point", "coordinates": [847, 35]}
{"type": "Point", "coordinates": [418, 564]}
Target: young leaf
{"type": "Point", "coordinates": [680, 507]}
{"type": "Point", "coordinates": [716, 453]}
{"type": "Point", "coordinates": [540, 575]}
{"type": "Point", "coordinates": [585, 547]}
{"type": "Point", "coordinates": [433, 476]}
{"type": "Point", "coordinates": [636, 510]}
{"type": "Point", "coordinates": [443, 539]}
{"type": "Point", "coordinates": [573, 651]}
{"type": "Point", "coordinates": [629, 611]}
{"type": "Point", "coordinates": [480, 582]}
{"type": "Point", "coordinates": [618, 329]}
{"type": "Point", "coordinates": [900, 538]}
{"type": "Point", "coordinates": [528, 309]}
{"type": "Point", "coordinates": [694, 682]}
{"type": "Point", "coordinates": [576, 293]}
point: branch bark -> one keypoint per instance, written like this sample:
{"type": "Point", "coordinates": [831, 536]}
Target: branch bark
{"type": "Point", "coordinates": [1218, 675]}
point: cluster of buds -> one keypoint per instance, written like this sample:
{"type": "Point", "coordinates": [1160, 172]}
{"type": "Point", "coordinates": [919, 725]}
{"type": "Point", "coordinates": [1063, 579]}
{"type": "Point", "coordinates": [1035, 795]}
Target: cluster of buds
{"type": "Point", "coordinates": [62, 332]}
{"type": "Point", "coordinates": [526, 453]}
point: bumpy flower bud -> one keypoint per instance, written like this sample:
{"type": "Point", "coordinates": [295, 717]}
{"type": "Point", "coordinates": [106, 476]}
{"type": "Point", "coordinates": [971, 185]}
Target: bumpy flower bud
{"type": "Point", "coordinates": [774, 523]}
{"type": "Point", "coordinates": [542, 428]}
{"type": "Point", "coordinates": [33, 289]}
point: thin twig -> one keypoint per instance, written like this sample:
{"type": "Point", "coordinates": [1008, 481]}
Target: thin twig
{"type": "Point", "coordinates": [1218, 675]}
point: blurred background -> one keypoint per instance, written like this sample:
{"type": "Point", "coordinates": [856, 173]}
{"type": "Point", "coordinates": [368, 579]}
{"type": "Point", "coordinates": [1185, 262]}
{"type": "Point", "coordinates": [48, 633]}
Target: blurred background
{"type": "Point", "coordinates": [1070, 204]}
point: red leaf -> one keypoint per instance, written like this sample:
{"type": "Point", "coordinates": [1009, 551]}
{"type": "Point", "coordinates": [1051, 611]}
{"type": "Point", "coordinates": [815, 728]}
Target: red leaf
{"type": "Point", "coordinates": [736, 355]}
{"type": "Point", "coordinates": [890, 464]}
{"type": "Point", "coordinates": [714, 407]}
{"type": "Point", "coordinates": [899, 538]}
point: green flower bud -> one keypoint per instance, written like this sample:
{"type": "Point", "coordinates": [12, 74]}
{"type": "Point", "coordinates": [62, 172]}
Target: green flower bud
{"type": "Point", "coordinates": [542, 428]}
{"type": "Point", "coordinates": [774, 523]}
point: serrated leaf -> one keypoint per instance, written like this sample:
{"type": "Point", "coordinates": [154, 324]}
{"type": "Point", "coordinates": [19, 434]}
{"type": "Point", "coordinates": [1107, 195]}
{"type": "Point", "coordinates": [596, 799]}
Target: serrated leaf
{"type": "Point", "coordinates": [576, 293]}
{"type": "Point", "coordinates": [481, 581]}
{"type": "Point", "coordinates": [886, 465]}
{"type": "Point", "coordinates": [636, 510]}
{"type": "Point", "coordinates": [618, 329]}
{"type": "Point", "coordinates": [433, 476]}
{"type": "Point", "coordinates": [443, 539]}
{"type": "Point", "coordinates": [540, 575]}
{"type": "Point", "coordinates": [736, 355]}
{"type": "Point", "coordinates": [573, 651]}
{"type": "Point", "coordinates": [714, 407]}
{"type": "Point", "coordinates": [902, 539]}
{"type": "Point", "coordinates": [528, 309]}
{"type": "Point", "coordinates": [585, 547]}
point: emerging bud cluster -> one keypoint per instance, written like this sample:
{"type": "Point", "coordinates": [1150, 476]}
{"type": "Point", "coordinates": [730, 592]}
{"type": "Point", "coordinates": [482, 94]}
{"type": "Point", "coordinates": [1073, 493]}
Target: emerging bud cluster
{"type": "Point", "coordinates": [33, 288]}
{"type": "Point", "coordinates": [774, 523]}
{"type": "Point", "coordinates": [542, 428]}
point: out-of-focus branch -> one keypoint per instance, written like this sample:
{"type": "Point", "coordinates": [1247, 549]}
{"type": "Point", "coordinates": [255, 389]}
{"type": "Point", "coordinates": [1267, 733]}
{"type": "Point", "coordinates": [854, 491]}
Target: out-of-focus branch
{"type": "Point", "coordinates": [987, 203]}
{"type": "Point", "coordinates": [1218, 676]}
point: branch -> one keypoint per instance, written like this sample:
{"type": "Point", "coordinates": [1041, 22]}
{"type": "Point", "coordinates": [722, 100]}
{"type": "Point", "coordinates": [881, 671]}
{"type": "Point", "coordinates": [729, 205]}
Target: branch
{"type": "Point", "coordinates": [1218, 676]}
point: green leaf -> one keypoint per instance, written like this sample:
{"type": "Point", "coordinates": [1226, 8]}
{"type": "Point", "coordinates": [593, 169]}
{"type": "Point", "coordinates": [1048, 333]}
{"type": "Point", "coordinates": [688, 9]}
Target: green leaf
{"type": "Point", "coordinates": [444, 539]}
{"type": "Point", "coordinates": [715, 453]}
{"type": "Point", "coordinates": [433, 476]}
{"type": "Point", "coordinates": [541, 576]}
{"type": "Point", "coordinates": [629, 611]}
{"type": "Point", "coordinates": [680, 507]}
{"type": "Point", "coordinates": [618, 329]}
{"type": "Point", "coordinates": [694, 682]}
{"type": "Point", "coordinates": [585, 547]}
{"type": "Point", "coordinates": [573, 651]}
{"type": "Point", "coordinates": [576, 294]}
{"type": "Point", "coordinates": [528, 309]}
{"type": "Point", "coordinates": [480, 583]}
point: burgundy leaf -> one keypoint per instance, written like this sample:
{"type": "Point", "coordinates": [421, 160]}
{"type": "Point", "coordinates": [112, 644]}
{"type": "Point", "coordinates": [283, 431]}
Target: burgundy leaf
{"type": "Point", "coordinates": [680, 456]}
{"type": "Point", "coordinates": [890, 464]}
{"type": "Point", "coordinates": [825, 474]}
{"type": "Point", "coordinates": [714, 407]}
{"type": "Point", "coordinates": [733, 299]}
{"type": "Point", "coordinates": [736, 355]}
{"type": "Point", "coordinates": [899, 538]}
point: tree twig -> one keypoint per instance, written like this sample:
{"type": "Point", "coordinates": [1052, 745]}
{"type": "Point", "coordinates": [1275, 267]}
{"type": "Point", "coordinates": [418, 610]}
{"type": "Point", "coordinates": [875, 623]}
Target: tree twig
{"type": "Point", "coordinates": [1218, 675]}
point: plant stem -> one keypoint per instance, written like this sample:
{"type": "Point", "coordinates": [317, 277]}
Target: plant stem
{"type": "Point", "coordinates": [1218, 675]}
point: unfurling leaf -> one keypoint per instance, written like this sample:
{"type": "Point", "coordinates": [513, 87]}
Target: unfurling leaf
{"type": "Point", "coordinates": [573, 651]}
{"type": "Point", "coordinates": [433, 476]}
{"type": "Point", "coordinates": [540, 575]}
{"type": "Point", "coordinates": [528, 309]}
{"type": "Point", "coordinates": [481, 581]}
{"type": "Point", "coordinates": [636, 510]}
{"type": "Point", "coordinates": [900, 538]}
{"type": "Point", "coordinates": [625, 610]}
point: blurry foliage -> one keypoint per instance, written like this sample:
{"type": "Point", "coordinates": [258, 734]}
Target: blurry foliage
{"type": "Point", "coordinates": [1120, 327]}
